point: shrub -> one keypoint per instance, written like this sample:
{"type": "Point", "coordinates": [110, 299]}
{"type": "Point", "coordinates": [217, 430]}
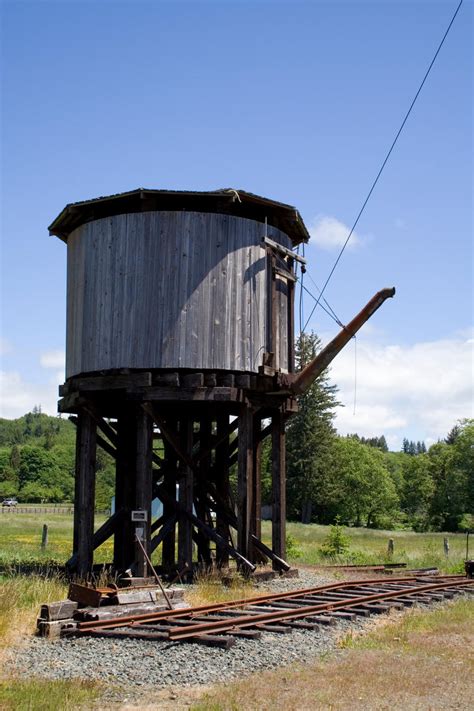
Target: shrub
{"type": "Point", "coordinates": [336, 541]}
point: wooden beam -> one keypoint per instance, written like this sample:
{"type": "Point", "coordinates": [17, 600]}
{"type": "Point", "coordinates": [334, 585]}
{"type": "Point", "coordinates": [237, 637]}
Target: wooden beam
{"type": "Point", "coordinates": [278, 563]}
{"type": "Point", "coordinates": [143, 488]}
{"type": "Point", "coordinates": [108, 382]}
{"type": "Point", "coordinates": [291, 320]}
{"type": "Point", "coordinates": [170, 474]}
{"type": "Point", "coordinates": [245, 480]}
{"type": "Point", "coordinates": [100, 536]}
{"type": "Point", "coordinates": [84, 496]}
{"type": "Point", "coordinates": [106, 446]}
{"type": "Point", "coordinates": [278, 486]}
{"type": "Point", "coordinates": [166, 528]}
{"type": "Point", "coordinates": [256, 508]}
{"type": "Point", "coordinates": [186, 487]}
{"type": "Point", "coordinates": [222, 481]}
{"type": "Point", "coordinates": [124, 545]}
{"type": "Point", "coordinates": [168, 434]}
{"type": "Point", "coordinates": [200, 394]}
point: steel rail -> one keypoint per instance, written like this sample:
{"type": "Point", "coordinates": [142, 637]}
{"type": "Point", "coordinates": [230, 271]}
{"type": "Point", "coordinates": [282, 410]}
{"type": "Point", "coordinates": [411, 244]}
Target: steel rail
{"type": "Point", "coordinates": [252, 620]}
{"type": "Point", "coordinates": [216, 607]}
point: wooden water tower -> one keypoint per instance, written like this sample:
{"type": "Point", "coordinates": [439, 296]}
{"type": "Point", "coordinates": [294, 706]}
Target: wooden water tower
{"type": "Point", "coordinates": [179, 363]}
{"type": "Point", "coordinates": [179, 315]}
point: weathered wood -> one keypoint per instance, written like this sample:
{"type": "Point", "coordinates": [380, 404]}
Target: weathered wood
{"type": "Point", "coordinates": [170, 379]}
{"type": "Point", "coordinates": [170, 474]}
{"type": "Point", "coordinates": [54, 630]}
{"type": "Point", "coordinates": [84, 494]}
{"type": "Point", "coordinates": [62, 610]}
{"type": "Point", "coordinates": [110, 382]}
{"type": "Point", "coordinates": [143, 487]}
{"type": "Point", "coordinates": [169, 434]}
{"type": "Point", "coordinates": [205, 436]}
{"type": "Point", "coordinates": [124, 543]}
{"type": "Point", "coordinates": [283, 250]}
{"type": "Point", "coordinates": [128, 259]}
{"type": "Point", "coordinates": [223, 431]}
{"type": "Point", "coordinates": [278, 563]}
{"type": "Point", "coordinates": [291, 320]}
{"type": "Point", "coordinates": [198, 394]}
{"type": "Point", "coordinates": [186, 486]}
{"type": "Point", "coordinates": [256, 508]}
{"type": "Point", "coordinates": [193, 380]}
{"type": "Point", "coordinates": [245, 480]}
{"type": "Point", "coordinates": [132, 597]}
{"type": "Point", "coordinates": [225, 380]}
{"type": "Point", "coordinates": [214, 536]}
{"type": "Point", "coordinates": [166, 534]}
{"type": "Point", "coordinates": [85, 595]}
{"type": "Point", "coordinates": [278, 486]}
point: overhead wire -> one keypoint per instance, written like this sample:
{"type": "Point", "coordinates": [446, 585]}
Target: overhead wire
{"type": "Point", "coordinates": [385, 161]}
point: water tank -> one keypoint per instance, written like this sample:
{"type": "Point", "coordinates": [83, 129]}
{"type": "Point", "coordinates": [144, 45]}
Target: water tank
{"type": "Point", "coordinates": [176, 280]}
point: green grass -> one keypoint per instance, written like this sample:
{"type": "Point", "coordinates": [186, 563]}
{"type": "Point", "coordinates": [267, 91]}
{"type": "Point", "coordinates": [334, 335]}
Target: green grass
{"type": "Point", "coordinates": [19, 695]}
{"type": "Point", "coordinates": [417, 550]}
{"type": "Point", "coordinates": [20, 541]}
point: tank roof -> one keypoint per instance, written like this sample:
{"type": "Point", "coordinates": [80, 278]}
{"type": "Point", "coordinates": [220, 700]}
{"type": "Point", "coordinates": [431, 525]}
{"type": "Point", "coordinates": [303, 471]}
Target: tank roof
{"type": "Point", "coordinates": [223, 201]}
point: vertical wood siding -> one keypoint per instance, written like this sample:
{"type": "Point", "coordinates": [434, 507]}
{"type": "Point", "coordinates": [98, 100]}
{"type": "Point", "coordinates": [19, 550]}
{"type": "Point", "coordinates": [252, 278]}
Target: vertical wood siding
{"type": "Point", "coordinates": [170, 290]}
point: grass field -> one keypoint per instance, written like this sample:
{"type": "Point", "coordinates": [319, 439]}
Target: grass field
{"type": "Point", "coordinates": [20, 541]}
{"type": "Point", "coordinates": [422, 660]}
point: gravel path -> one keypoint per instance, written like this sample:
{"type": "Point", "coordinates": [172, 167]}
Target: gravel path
{"type": "Point", "coordinates": [141, 663]}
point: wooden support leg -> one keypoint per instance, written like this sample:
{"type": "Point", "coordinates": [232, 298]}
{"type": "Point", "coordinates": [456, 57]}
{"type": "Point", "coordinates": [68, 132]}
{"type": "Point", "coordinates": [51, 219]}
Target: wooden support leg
{"type": "Point", "coordinates": [186, 484]}
{"type": "Point", "coordinates": [222, 484]}
{"type": "Point", "coordinates": [143, 486]}
{"type": "Point", "coordinates": [245, 480]}
{"type": "Point", "coordinates": [124, 546]}
{"type": "Point", "coordinates": [84, 498]}
{"type": "Point", "coordinates": [278, 486]}
{"type": "Point", "coordinates": [170, 472]}
{"type": "Point", "coordinates": [256, 517]}
{"type": "Point", "coordinates": [205, 434]}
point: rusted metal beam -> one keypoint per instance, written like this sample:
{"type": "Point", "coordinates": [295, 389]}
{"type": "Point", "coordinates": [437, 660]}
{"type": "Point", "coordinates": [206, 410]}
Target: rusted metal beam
{"type": "Point", "coordinates": [300, 382]}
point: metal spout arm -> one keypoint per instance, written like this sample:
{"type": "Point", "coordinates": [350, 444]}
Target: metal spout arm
{"type": "Point", "coordinates": [298, 383]}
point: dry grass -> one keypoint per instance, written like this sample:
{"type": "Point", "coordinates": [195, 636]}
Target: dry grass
{"type": "Point", "coordinates": [209, 588]}
{"type": "Point", "coordinates": [20, 600]}
{"type": "Point", "coordinates": [418, 661]}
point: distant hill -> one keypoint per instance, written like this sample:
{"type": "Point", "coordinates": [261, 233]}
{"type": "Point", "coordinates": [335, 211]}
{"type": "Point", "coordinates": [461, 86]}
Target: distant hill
{"type": "Point", "coordinates": [36, 428]}
{"type": "Point", "coordinates": [37, 461]}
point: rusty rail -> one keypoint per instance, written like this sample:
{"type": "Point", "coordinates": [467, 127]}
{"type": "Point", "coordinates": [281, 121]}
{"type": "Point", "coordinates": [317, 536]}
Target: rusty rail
{"type": "Point", "coordinates": [214, 624]}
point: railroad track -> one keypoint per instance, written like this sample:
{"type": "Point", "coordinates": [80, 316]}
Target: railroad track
{"type": "Point", "coordinates": [220, 624]}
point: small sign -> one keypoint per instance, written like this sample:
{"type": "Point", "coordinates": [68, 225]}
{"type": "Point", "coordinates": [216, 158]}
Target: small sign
{"type": "Point", "coordinates": [139, 531]}
{"type": "Point", "coordinates": [140, 516]}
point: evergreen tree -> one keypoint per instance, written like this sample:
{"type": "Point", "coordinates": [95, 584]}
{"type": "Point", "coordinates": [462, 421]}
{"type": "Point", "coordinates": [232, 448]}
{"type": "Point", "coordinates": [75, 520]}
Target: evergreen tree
{"type": "Point", "coordinates": [453, 434]}
{"type": "Point", "coordinates": [310, 434]}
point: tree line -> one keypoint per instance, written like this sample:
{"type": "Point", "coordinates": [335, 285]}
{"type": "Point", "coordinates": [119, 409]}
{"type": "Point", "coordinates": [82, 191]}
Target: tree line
{"type": "Point", "coordinates": [37, 461]}
{"type": "Point", "coordinates": [359, 482]}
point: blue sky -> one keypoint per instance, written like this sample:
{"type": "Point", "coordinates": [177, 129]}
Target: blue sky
{"type": "Point", "coordinates": [297, 101]}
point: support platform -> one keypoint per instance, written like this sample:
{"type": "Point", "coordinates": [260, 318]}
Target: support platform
{"type": "Point", "coordinates": [193, 441]}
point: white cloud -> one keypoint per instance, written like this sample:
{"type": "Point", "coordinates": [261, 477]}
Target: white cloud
{"type": "Point", "coordinates": [17, 396]}
{"type": "Point", "coordinates": [53, 359]}
{"type": "Point", "coordinates": [418, 391]}
{"type": "Point", "coordinates": [329, 233]}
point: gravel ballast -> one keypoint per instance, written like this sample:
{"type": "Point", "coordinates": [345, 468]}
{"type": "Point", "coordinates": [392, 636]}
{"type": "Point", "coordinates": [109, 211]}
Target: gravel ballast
{"type": "Point", "coordinates": [141, 663]}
